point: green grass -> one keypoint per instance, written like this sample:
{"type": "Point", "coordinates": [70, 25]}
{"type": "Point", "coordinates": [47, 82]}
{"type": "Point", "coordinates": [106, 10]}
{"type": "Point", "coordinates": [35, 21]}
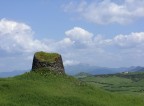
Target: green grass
{"type": "Point", "coordinates": [46, 57]}
{"type": "Point", "coordinates": [129, 83]}
{"type": "Point", "coordinates": [52, 89]}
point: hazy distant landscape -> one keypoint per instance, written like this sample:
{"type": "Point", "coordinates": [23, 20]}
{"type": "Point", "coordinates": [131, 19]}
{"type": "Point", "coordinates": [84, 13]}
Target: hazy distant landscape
{"type": "Point", "coordinates": [76, 69]}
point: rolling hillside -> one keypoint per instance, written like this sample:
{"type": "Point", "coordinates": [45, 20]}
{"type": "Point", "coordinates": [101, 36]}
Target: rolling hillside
{"type": "Point", "coordinates": [52, 89]}
{"type": "Point", "coordinates": [121, 82]}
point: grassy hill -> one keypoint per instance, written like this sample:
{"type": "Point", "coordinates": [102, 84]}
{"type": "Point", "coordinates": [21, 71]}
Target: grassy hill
{"type": "Point", "coordinates": [124, 82]}
{"type": "Point", "coordinates": [51, 89]}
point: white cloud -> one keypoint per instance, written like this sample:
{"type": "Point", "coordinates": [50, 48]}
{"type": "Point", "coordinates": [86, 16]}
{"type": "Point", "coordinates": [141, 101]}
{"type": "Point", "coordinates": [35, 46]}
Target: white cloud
{"type": "Point", "coordinates": [18, 37]}
{"type": "Point", "coordinates": [66, 42]}
{"type": "Point", "coordinates": [70, 62]}
{"type": "Point", "coordinates": [129, 41]}
{"type": "Point", "coordinates": [79, 36]}
{"type": "Point", "coordinates": [108, 11]}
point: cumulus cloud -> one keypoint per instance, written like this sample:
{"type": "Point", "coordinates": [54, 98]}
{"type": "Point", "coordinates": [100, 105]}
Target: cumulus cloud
{"type": "Point", "coordinates": [108, 11]}
{"type": "Point", "coordinates": [66, 42]}
{"type": "Point", "coordinates": [70, 62]}
{"type": "Point", "coordinates": [18, 37]}
{"type": "Point", "coordinates": [129, 41]}
{"type": "Point", "coordinates": [79, 36]}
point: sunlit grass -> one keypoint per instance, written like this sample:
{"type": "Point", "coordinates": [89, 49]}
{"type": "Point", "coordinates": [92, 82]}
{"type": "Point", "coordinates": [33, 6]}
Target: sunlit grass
{"type": "Point", "coordinates": [35, 89]}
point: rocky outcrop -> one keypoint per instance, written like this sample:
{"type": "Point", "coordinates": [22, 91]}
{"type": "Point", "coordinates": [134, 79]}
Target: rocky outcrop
{"type": "Point", "coordinates": [48, 61]}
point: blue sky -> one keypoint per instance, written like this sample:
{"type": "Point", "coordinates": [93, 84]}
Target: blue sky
{"type": "Point", "coordinates": [107, 33]}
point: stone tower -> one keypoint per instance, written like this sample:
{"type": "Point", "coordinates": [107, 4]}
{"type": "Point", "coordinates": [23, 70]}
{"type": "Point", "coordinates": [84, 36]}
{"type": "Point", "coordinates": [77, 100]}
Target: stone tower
{"type": "Point", "coordinates": [48, 61]}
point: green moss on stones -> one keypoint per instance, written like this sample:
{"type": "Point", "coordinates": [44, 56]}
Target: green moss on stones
{"type": "Point", "coordinates": [46, 57]}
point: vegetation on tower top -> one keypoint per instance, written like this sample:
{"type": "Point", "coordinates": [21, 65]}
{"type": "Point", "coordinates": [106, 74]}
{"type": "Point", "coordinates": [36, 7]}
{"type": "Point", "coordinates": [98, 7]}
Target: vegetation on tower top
{"type": "Point", "coordinates": [46, 57]}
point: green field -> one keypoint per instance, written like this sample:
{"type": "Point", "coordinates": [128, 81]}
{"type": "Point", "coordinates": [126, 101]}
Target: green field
{"type": "Point", "coordinates": [131, 82]}
{"type": "Point", "coordinates": [51, 89]}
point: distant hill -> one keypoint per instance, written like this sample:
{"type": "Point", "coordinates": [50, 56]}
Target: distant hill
{"type": "Point", "coordinates": [82, 75]}
{"type": "Point", "coordinates": [95, 70]}
{"type": "Point", "coordinates": [140, 70]}
{"type": "Point", "coordinates": [82, 68]}
{"type": "Point", "coordinates": [135, 69]}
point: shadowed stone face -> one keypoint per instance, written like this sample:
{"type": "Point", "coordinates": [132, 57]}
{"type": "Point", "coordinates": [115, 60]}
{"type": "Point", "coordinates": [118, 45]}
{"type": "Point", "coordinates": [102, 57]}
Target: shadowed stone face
{"type": "Point", "coordinates": [49, 61]}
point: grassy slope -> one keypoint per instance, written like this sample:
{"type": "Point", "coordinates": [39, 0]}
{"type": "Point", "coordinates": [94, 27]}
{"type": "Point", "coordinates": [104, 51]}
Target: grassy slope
{"type": "Point", "coordinates": [34, 89]}
{"type": "Point", "coordinates": [132, 82]}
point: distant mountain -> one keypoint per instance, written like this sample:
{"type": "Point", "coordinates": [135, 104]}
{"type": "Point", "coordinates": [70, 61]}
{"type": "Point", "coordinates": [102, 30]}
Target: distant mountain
{"type": "Point", "coordinates": [137, 69]}
{"type": "Point", "coordinates": [95, 70]}
{"type": "Point", "coordinates": [141, 70]}
{"type": "Point", "coordinates": [12, 73]}
{"type": "Point", "coordinates": [82, 69]}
